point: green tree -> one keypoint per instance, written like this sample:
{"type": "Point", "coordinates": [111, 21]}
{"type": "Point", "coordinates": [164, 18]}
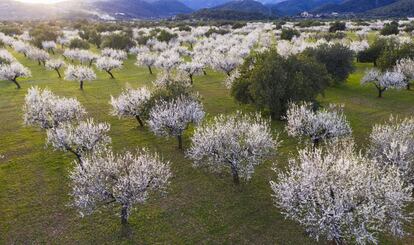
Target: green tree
{"type": "Point", "coordinates": [337, 26]}
{"type": "Point", "coordinates": [390, 29]}
{"type": "Point", "coordinates": [270, 82]}
{"type": "Point", "coordinates": [78, 43]}
{"type": "Point", "coordinates": [338, 60]}
{"type": "Point", "coordinates": [117, 41]}
{"type": "Point", "coordinates": [289, 33]}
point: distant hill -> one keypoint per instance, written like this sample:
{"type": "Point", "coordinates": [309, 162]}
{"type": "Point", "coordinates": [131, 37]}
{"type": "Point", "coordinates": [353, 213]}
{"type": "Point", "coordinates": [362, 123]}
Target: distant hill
{"type": "Point", "coordinates": [354, 6]}
{"type": "Point", "coordinates": [142, 9]}
{"type": "Point", "coordinates": [235, 10]}
{"type": "Point", "coordinates": [403, 8]}
{"type": "Point", "coordinates": [294, 7]}
{"type": "Point", "coordinates": [248, 6]}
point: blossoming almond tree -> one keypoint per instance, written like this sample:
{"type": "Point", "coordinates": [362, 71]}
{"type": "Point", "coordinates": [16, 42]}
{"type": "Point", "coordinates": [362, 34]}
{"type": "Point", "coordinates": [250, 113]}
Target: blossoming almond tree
{"type": "Point", "coordinates": [172, 118]}
{"type": "Point", "coordinates": [324, 124]}
{"type": "Point", "coordinates": [6, 57]}
{"type": "Point", "coordinates": [235, 143]}
{"type": "Point", "coordinates": [49, 46]}
{"type": "Point", "coordinates": [108, 64]}
{"type": "Point", "coordinates": [191, 69]}
{"type": "Point", "coordinates": [80, 74]}
{"type": "Point", "coordinates": [406, 67]}
{"type": "Point", "coordinates": [114, 53]}
{"type": "Point", "coordinates": [126, 180]}
{"type": "Point", "coordinates": [388, 80]}
{"type": "Point", "coordinates": [146, 59]}
{"type": "Point", "coordinates": [131, 103]}
{"type": "Point", "coordinates": [11, 72]}
{"type": "Point", "coordinates": [44, 109]}
{"type": "Point", "coordinates": [338, 194]}
{"type": "Point", "coordinates": [393, 144]}
{"type": "Point", "coordinates": [80, 139]}
{"type": "Point", "coordinates": [56, 65]}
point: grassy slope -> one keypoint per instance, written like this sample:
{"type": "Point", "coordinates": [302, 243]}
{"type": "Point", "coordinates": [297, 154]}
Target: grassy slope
{"type": "Point", "coordinates": [200, 208]}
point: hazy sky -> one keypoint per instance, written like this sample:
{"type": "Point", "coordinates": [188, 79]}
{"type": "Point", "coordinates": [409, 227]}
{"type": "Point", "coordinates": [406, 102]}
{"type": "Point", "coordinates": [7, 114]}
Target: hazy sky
{"type": "Point", "coordinates": [40, 1]}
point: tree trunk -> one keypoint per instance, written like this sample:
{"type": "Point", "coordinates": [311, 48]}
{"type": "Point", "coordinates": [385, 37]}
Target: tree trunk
{"type": "Point", "coordinates": [150, 70]}
{"type": "Point", "coordinates": [139, 121]}
{"type": "Point", "coordinates": [380, 91]}
{"type": "Point", "coordinates": [53, 52]}
{"type": "Point", "coordinates": [204, 72]}
{"type": "Point", "coordinates": [408, 86]}
{"type": "Point", "coordinates": [180, 142]}
{"type": "Point", "coordinates": [191, 79]}
{"type": "Point", "coordinates": [17, 84]}
{"type": "Point", "coordinates": [112, 75]}
{"type": "Point", "coordinates": [124, 215]}
{"type": "Point", "coordinates": [236, 179]}
{"type": "Point", "coordinates": [58, 72]}
{"type": "Point", "coordinates": [81, 85]}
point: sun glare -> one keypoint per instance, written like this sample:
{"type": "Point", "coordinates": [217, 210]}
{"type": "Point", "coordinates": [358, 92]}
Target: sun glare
{"type": "Point", "coordinates": [40, 1]}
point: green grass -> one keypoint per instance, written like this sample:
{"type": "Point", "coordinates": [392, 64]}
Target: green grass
{"type": "Point", "coordinates": [200, 207]}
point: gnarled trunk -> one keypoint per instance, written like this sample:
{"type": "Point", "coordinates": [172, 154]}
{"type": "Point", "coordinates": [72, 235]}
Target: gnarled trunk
{"type": "Point", "coordinates": [139, 121]}
{"type": "Point", "coordinates": [180, 142]}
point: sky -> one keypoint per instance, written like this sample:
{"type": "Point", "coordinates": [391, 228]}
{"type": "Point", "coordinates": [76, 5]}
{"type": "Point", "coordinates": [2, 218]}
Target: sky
{"type": "Point", "coordinates": [40, 1]}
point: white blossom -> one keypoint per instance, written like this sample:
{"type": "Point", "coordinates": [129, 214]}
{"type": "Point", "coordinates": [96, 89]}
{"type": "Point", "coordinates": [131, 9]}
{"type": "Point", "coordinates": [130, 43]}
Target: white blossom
{"type": "Point", "coordinates": [324, 124]}
{"type": "Point", "coordinates": [80, 139]}
{"type": "Point", "coordinates": [342, 196]}
{"type": "Point", "coordinates": [39, 55]}
{"type": "Point", "coordinates": [191, 69]}
{"type": "Point", "coordinates": [131, 103]}
{"type": "Point", "coordinates": [44, 109]}
{"type": "Point", "coordinates": [393, 144]}
{"type": "Point", "coordinates": [6, 57]}
{"type": "Point", "coordinates": [56, 65]}
{"type": "Point", "coordinates": [406, 67]}
{"type": "Point", "coordinates": [11, 72]}
{"type": "Point", "coordinates": [388, 80]}
{"type": "Point", "coordinates": [49, 45]}
{"type": "Point", "coordinates": [127, 180]}
{"type": "Point", "coordinates": [234, 143]}
{"type": "Point", "coordinates": [114, 53]}
{"type": "Point", "coordinates": [168, 60]}
{"type": "Point", "coordinates": [108, 64]}
{"type": "Point", "coordinates": [146, 59]}
{"type": "Point", "coordinates": [172, 118]}
{"type": "Point", "coordinates": [80, 74]}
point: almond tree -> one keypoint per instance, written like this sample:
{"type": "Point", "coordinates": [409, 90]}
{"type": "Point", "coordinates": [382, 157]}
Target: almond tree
{"type": "Point", "coordinates": [131, 103]}
{"type": "Point", "coordinates": [172, 118]}
{"type": "Point", "coordinates": [56, 65]}
{"type": "Point", "coordinates": [168, 60]}
{"type": "Point", "coordinates": [126, 180]}
{"type": "Point", "coordinates": [108, 64]}
{"type": "Point", "coordinates": [49, 46]}
{"type": "Point", "coordinates": [406, 67]}
{"type": "Point", "coordinates": [388, 80]}
{"type": "Point", "coordinates": [11, 72]}
{"type": "Point", "coordinates": [146, 59]}
{"type": "Point", "coordinates": [321, 125]}
{"type": "Point", "coordinates": [80, 74]}
{"type": "Point", "coordinates": [225, 63]}
{"type": "Point", "coordinates": [44, 109]}
{"type": "Point", "coordinates": [84, 138]}
{"type": "Point", "coordinates": [39, 55]}
{"type": "Point", "coordinates": [191, 69]}
{"type": "Point", "coordinates": [6, 57]}
{"type": "Point", "coordinates": [114, 53]}
{"type": "Point", "coordinates": [392, 144]}
{"type": "Point", "coordinates": [338, 194]}
{"type": "Point", "coordinates": [235, 143]}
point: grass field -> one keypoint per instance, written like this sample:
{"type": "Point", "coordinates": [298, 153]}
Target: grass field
{"type": "Point", "coordinates": [200, 207]}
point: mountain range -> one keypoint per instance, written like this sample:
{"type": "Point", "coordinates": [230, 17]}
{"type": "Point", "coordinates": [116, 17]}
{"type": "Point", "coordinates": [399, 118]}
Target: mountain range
{"type": "Point", "coordinates": [205, 9]}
